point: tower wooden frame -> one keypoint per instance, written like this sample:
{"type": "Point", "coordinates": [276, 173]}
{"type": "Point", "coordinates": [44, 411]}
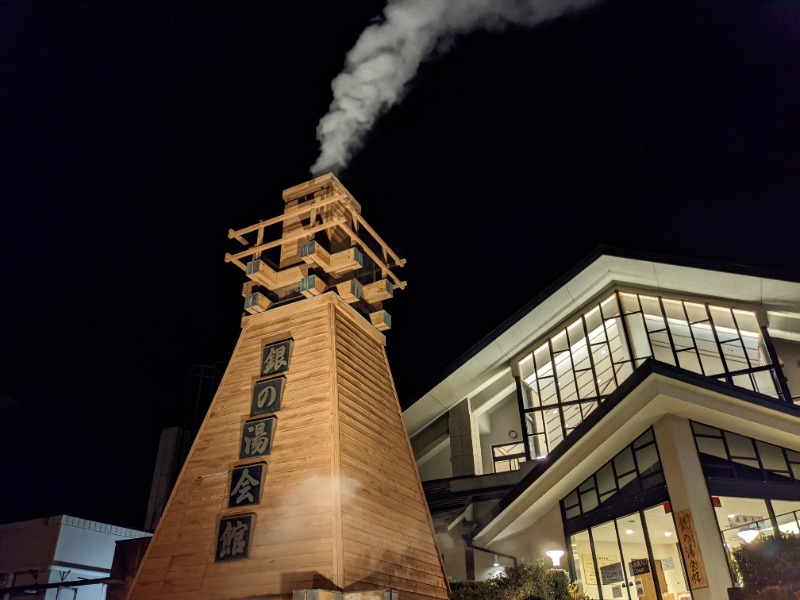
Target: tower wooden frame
{"type": "Point", "coordinates": [341, 507]}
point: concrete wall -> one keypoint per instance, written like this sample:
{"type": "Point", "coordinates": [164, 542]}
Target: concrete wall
{"type": "Point", "coordinates": [465, 449]}
{"type": "Point", "coordinates": [531, 545]}
{"type": "Point", "coordinates": [453, 549]}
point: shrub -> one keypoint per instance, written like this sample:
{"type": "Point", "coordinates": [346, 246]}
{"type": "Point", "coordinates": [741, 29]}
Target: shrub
{"type": "Point", "coordinates": [523, 582]}
{"type": "Point", "coordinates": [769, 567]}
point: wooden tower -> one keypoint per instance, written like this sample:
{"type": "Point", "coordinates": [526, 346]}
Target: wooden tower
{"type": "Point", "coordinates": [302, 475]}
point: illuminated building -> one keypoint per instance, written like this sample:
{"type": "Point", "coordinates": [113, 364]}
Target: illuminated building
{"type": "Point", "coordinates": [639, 401]}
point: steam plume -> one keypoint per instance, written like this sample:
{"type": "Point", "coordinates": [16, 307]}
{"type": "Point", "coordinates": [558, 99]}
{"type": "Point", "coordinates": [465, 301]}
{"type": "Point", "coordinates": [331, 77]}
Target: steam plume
{"type": "Point", "coordinates": [388, 54]}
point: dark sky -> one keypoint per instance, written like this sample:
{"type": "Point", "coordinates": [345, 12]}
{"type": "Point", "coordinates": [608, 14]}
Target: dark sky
{"type": "Point", "coordinates": [135, 134]}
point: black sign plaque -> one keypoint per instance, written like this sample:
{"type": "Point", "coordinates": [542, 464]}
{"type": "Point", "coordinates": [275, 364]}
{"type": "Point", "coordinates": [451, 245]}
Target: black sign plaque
{"type": "Point", "coordinates": [246, 484]}
{"type": "Point", "coordinates": [275, 357]}
{"type": "Point", "coordinates": [233, 538]}
{"type": "Point", "coordinates": [267, 396]}
{"type": "Point", "coordinates": [257, 437]}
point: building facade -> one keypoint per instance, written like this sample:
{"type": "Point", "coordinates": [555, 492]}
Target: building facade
{"type": "Point", "coordinates": [634, 424]}
{"type": "Point", "coordinates": [59, 557]}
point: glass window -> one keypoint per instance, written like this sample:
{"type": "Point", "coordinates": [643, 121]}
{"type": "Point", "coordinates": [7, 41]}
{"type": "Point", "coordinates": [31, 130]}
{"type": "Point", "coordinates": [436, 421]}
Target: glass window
{"type": "Point", "coordinates": [727, 455]}
{"type": "Point", "coordinates": [740, 521]}
{"type": "Point", "coordinates": [633, 557]}
{"type": "Point", "coordinates": [788, 515]}
{"type": "Point", "coordinates": [612, 578]}
{"type": "Point", "coordinates": [583, 562]}
{"type": "Point", "coordinates": [506, 457]}
{"type": "Point", "coordinates": [640, 569]}
{"type": "Point", "coordinates": [636, 468]}
{"type": "Point", "coordinates": [666, 551]}
{"type": "Point", "coordinates": [772, 458]}
{"type": "Point", "coordinates": [579, 365]}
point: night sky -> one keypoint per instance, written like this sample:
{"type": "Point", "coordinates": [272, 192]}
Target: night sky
{"type": "Point", "coordinates": [134, 135]}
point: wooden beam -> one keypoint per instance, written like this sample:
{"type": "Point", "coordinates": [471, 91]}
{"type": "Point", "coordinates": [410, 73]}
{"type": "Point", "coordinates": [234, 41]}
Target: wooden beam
{"type": "Point", "coordinates": [385, 269]}
{"type": "Point", "coordinates": [235, 235]}
{"type": "Point", "coordinates": [285, 240]}
{"type": "Point", "coordinates": [401, 262]}
{"type": "Point", "coordinates": [292, 212]}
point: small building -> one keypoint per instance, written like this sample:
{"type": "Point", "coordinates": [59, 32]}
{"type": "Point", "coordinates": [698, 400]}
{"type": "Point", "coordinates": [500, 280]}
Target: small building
{"type": "Point", "coordinates": [634, 423]}
{"type": "Point", "coordinates": [59, 557]}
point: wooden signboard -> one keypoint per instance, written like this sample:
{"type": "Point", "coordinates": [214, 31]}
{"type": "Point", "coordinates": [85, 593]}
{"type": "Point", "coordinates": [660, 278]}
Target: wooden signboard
{"type": "Point", "coordinates": [692, 558]}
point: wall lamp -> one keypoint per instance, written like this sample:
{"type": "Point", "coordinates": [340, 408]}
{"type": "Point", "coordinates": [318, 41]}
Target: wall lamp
{"type": "Point", "coordinates": [555, 556]}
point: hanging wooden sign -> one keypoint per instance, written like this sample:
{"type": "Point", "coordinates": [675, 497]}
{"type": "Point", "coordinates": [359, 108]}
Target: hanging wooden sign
{"type": "Point", "coordinates": [695, 567]}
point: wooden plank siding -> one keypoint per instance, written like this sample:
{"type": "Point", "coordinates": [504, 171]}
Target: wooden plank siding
{"type": "Point", "coordinates": [377, 456]}
{"type": "Point", "coordinates": [342, 506]}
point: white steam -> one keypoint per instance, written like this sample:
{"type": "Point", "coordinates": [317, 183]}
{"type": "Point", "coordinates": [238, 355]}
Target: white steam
{"type": "Point", "coordinates": [388, 54]}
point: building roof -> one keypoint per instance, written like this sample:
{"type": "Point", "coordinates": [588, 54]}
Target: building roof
{"type": "Point", "coordinates": [487, 364]}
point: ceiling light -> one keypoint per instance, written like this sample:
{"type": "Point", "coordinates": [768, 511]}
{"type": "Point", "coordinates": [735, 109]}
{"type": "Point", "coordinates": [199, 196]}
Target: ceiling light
{"type": "Point", "coordinates": [667, 533]}
{"type": "Point", "coordinates": [496, 562]}
{"type": "Point", "coordinates": [731, 516]}
{"type": "Point", "coordinates": [629, 531]}
{"type": "Point", "coordinates": [748, 535]}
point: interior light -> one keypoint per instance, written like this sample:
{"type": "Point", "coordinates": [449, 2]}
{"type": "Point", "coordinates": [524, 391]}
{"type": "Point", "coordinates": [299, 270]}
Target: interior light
{"type": "Point", "coordinates": [555, 556]}
{"type": "Point", "coordinates": [731, 516]}
{"type": "Point", "coordinates": [748, 535]}
{"type": "Point", "coordinates": [496, 562]}
{"type": "Point", "coordinates": [555, 411]}
{"type": "Point", "coordinates": [667, 533]}
{"type": "Point", "coordinates": [629, 531]}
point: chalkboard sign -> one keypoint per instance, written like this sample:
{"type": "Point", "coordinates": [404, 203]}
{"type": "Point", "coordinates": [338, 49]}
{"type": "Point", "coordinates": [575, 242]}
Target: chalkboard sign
{"type": "Point", "coordinates": [612, 573]}
{"type": "Point", "coordinates": [639, 566]}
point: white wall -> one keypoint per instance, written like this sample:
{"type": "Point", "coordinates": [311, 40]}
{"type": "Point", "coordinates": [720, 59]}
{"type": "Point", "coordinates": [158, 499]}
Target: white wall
{"type": "Point", "coordinates": [495, 428]}
{"type": "Point", "coordinates": [453, 548]}
{"type": "Point", "coordinates": [436, 464]}
{"type": "Point", "coordinates": [789, 353]}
